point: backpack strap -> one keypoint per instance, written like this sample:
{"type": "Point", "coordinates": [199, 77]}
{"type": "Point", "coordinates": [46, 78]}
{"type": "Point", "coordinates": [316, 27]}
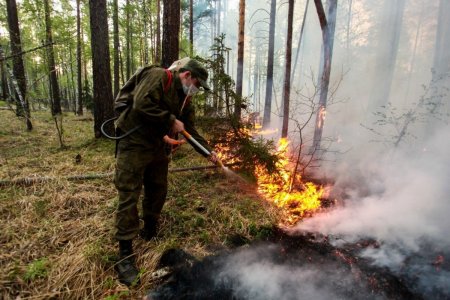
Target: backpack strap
{"type": "Point", "coordinates": [169, 80]}
{"type": "Point", "coordinates": [126, 104]}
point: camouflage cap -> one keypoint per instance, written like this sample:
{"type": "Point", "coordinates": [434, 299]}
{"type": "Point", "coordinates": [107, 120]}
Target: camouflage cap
{"type": "Point", "coordinates": [197, 70]}
{"type": "Point", "coordinates": [178, 64]}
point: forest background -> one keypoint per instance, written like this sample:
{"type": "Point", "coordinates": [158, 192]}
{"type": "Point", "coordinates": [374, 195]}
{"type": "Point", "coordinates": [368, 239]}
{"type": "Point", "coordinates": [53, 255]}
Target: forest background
{"type": "Point", "coordinates": [378, 72]}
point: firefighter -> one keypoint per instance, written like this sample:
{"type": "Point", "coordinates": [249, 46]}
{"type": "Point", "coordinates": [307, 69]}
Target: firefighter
{"type": "Point", "coordinates": [160, 106]}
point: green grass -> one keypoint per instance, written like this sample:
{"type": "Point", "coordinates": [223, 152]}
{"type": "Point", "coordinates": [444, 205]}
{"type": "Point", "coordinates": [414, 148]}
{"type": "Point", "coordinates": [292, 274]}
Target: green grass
{"type": "Point", "coordinates": [36, 269]}
{"type": "Point", "coordinates": [57, 236]}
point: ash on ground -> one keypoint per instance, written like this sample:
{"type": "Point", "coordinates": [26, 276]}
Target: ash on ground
{"type": "Point", "coordinates": [282, 267]}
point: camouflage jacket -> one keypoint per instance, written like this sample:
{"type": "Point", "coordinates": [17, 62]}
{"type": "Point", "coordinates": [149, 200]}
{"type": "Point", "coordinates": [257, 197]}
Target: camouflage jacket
{"type": "Point", "coordinates": [155, 110]}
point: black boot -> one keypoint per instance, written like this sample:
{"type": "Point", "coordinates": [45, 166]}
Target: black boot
{"type": "Point", "coordinates": [151, 226]}
{"type": "Point", "coordinates": [125, 267]}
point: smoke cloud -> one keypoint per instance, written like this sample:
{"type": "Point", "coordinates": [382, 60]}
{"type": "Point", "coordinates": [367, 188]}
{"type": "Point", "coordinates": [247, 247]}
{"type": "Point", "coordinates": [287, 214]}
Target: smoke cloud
{"type": "Point", "coordinates": [259, 273]}
{"type": "Point", "coordinates": [396, 197]}
{"type": "Point", "coordinates": [401, 200]}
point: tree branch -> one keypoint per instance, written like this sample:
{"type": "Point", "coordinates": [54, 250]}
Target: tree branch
{"type": "Point", "coordinates": [28, 181]}
{"type": "Point", "coordinates": [321, 14]}
{"type": "Point", "coordinates": [24, 52]}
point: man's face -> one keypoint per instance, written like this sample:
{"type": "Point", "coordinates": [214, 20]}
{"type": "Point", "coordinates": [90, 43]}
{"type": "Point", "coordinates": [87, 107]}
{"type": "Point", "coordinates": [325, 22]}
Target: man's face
{"type": "Point", "coordinates": [190, 84]}
{"type": "Point", "coordinates": [188, 80]}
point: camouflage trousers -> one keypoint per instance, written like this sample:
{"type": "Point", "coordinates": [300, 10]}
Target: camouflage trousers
{"type": "Point", "coordinates": [138, 166]}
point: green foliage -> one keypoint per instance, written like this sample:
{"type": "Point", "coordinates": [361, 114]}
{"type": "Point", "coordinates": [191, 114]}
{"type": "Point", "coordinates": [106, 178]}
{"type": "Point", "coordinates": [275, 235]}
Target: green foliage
{"type": "Point", "coordinates": [238, 146]}
{"type": "Point", "coordinates": [3, 20]}
{"type": "Point", "coordinates": [88, 99]}
{"type": "Point", "coordinates": [230, 135]}
{"type": "Point", "coordinates": [222, 94]}
{"type": "Point", "coordinates": [185, 47]}
{"type": "Point", "coordinates": [36, 269]}
{"type": "Point", "coordinates": [96, 252]}
{"type": "Point", "coordinates": [41, 207]}
{"type": "Point", "coordinates": [120, 295]}
{"type": "Point", "coordinates": [260, 232]}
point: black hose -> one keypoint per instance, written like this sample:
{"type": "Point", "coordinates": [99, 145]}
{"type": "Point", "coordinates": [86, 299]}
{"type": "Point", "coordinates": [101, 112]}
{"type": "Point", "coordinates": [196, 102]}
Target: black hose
{"type": "Point", "coordinates": [116, 137]}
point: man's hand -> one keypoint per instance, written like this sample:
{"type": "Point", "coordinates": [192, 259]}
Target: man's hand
{"type": "Point", "coordinates": [177, 126]}
{"type": "Point", "coordinates": [173, 142]}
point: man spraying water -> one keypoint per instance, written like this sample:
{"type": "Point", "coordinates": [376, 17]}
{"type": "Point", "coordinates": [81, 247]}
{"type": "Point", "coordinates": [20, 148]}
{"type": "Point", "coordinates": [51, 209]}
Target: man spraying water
{"type": "Point", "coordinates": [155, 104]}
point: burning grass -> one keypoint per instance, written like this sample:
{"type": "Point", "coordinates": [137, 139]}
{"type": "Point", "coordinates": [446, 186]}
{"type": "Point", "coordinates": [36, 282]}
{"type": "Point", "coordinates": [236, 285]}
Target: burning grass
{"type": "Point", "coordinates": [273, 171]}
{"type": "Point", "coordinates": [56, 235]}
{"type": "Point", "coordinates": [286, 188]}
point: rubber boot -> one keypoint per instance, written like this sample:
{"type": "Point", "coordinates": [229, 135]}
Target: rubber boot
{"type": "Point", "coordinates": [151, 226]}
{"type": "Point", "coordinates": [125, 267]}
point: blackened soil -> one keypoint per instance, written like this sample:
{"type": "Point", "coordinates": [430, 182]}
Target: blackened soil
{"type": "Point", "coordinates": [280, 267]}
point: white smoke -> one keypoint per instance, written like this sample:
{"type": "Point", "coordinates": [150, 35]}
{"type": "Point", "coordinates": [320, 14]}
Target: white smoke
{"type": "Point", "coordinates": [400, 199]}
{"type": "Point", "coordinates": [256, 273]}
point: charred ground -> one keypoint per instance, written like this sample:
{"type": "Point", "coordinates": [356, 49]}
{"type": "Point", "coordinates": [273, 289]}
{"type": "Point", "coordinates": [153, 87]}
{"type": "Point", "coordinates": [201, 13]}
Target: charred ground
{"type": "Point", "coordinates": [340, 272]}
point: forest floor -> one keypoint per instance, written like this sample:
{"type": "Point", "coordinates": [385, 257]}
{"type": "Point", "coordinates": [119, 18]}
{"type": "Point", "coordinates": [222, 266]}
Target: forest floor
{"type": "Point", "coordinates": [57, 235]}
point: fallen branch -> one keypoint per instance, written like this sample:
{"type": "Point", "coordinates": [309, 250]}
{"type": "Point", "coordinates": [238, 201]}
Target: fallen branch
{"type": "Point", "coordinates": [28, 181]}
{"type": "Point", "coordinates": [24, 52]}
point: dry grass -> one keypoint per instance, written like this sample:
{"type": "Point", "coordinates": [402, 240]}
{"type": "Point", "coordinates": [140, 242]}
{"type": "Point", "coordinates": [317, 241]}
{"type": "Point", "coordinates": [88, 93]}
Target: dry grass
{"type": "Point", "coordinates": [57, 237]}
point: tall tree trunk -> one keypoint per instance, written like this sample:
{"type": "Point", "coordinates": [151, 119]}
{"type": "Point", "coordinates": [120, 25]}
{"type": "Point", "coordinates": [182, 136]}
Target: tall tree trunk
{"type": "Point", "coordinates": [413, 56]}
{"type": "Point", "coordinates": [328, 26]}
{"type": "Point", "coordinates": [121, 67]}
{"type": "Point", "coordinates": [349, 22]}
{"type": "Point", "coordinates": [145, 15]}
{"type": "Point", "coordinates": [300, 41]}
{"type": "Point", "coordinates": [219, 12]}
{"type": "Point", "coordinates": [71, 81]}
{"type": "Point", "coordinates": [256, 74]}
{"type": "Point", "coordinates": [128, 41]}
{"type": "Point", "coordinates": [287, 73]}
{"type": "Point", "coordinates": [79, 108]}
{"type": "Point", "coordinates": [158, 32]}
{"type": "Point", "coordinates": [4, 84]}
{"type": "Point", "coordinates": [213, 22]}
{"type": "Point", "coordinates": [171, 31]}
{"type": "Point", "coordinates": [23, 108]}
{"type": "Point", "coordinates": [191, 28]}
{"type": "Point", "coordinates": [441, 61]}
{"type": "Point", "coordinates": [440, 80]}
{"type": "Point", "coordinates": [180, 36]}
{"type": "Point", "coordinates": [116, 46]}
{"type": "Point", "coordinates": [392, 20]}
{"type": "Point", "coordinates": [240, 60]}
{"type": "Point", "coordinates": [54, 86]}
{"type": "Point", "coordinates": [250, 59]}
{"type": "Point", "coordinates": [103, 98]}
{"type": "Point", "coordinates": [270, 54]}
{"type": "Point", "coordinates": [152, 34]}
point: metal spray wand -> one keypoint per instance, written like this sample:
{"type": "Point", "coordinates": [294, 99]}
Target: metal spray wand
{"type": "Point", "coordinates": [204, 150]}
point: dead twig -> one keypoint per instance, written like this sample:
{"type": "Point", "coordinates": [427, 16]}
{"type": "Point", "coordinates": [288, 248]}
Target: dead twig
{"type": "Point", "coordinates": [28, 181]}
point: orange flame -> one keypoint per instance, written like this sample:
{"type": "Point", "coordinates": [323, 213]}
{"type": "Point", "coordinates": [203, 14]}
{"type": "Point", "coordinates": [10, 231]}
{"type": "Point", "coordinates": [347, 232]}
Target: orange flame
{"type": "Point", "coordinates": [284, 188]}
{"type": "Point", "coordinates": [321, 116]}
{"type": "Point", "coordinates": [279, 188]}
{"type": "Point", "coordinates": [259, 131]}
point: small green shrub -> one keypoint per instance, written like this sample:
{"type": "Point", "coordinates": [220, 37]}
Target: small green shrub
{"type": "Point", "coordinates": [41, 207]}
{"type": "Point", "coordinates": [36, 269]}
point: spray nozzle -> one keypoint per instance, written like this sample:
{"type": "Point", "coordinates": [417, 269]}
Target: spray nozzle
{"type": "Point", "coordinates": [203, 149]}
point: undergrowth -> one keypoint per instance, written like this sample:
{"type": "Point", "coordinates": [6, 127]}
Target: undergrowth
{"type": "Point", "coordinates": [57, 236]}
